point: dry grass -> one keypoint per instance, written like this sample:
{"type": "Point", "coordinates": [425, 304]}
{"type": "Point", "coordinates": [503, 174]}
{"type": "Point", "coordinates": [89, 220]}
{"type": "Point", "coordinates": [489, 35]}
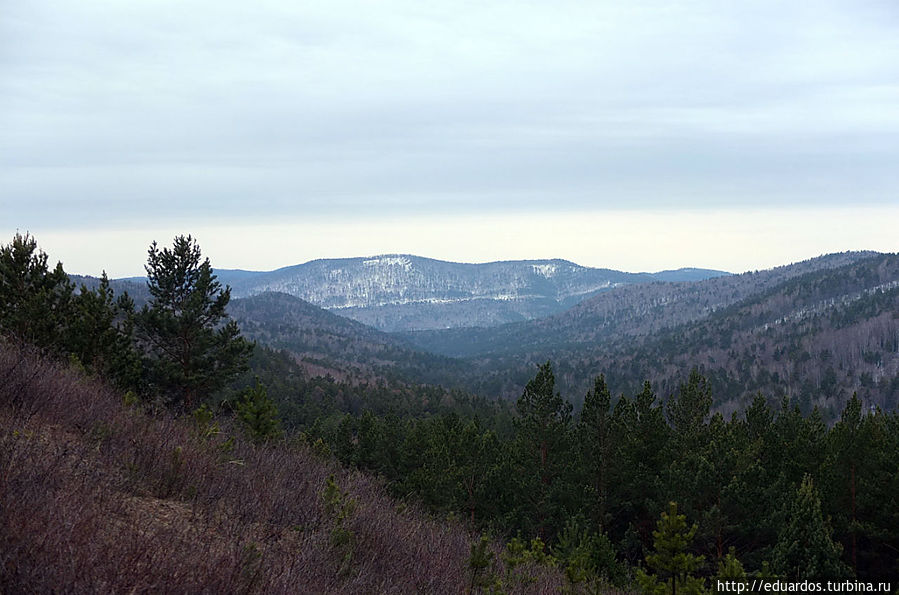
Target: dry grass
{"type": "Point", "coordinates": [97, 496]}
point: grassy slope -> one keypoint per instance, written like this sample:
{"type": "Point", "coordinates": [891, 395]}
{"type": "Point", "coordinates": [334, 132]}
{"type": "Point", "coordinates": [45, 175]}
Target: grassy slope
{"type": "Point", "coordinates": [102, 497]}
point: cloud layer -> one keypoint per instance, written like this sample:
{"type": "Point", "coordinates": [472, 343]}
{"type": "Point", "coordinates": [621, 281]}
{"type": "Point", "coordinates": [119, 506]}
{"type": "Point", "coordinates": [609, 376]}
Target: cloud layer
{"type": "Point", "coordinates": [165, 112]}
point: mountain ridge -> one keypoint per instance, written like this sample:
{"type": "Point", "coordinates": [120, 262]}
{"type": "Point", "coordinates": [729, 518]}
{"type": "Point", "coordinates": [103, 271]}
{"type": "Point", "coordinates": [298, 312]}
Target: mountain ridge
{"type": "Point", "coordinates": [394, 292]}
{"type": "Point", "coordinates": [816, 331]}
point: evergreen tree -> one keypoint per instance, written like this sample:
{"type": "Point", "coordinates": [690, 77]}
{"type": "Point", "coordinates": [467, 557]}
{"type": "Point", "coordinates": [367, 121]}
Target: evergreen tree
{"type": "Point", "coordinates": [752, 499]}
{"type": "Point", "coordinates": [35, 302]}
{"type": "Point", "coordinates": [642, 454]}
{"type": "Point", "coordinates": [587, 557]}
{"type": "Point", "coordinates": [595, 442]}
{"type": "Point", "coordinates": [475, 452]}
{"type": "Point", "coordinates": [689, 411]}
{"type": "Point", "coordinates": [848, 443]}
{"type": "Point", "coordinates": [671, 560]}
{"type": "Point", "coordinates": [730, 568]}
{"type": "Point", "coordinates": [691, 476]}
{"type": "Point", "coordinates": [192, 349]}
{"type": "Point", "coordinates": [100, 334]}
{"type": "Point", "coordinates": [543, 426]}
{"type": "Point", "coordinates": [805, 549]}
{"type": "Point", "coordinates": [370, 436]}
{"type": "Point", "coordinates": [258, 414]}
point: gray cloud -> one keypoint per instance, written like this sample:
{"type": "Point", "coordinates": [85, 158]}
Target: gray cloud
{"type": "Point", "coordinates": [336, 107]}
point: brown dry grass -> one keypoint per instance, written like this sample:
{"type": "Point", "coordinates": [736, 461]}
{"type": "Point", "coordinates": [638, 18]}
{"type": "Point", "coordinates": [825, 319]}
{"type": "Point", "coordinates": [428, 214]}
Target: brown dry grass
{"type": "Point", "coordinates": [100, 497]}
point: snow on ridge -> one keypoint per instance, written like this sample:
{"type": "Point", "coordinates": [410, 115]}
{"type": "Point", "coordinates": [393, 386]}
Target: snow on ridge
{"type": "Point", "coordinates": [427, 300]}
{"type": "Point", "coordinates": [545, 270]}
{"type": "Point", "coordinates": [389, 261]}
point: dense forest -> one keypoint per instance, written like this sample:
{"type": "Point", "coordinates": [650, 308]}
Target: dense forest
{"type": "Point", "coordinates": [816, 331]}
{"type": "Point", "coordinates": [650, 491]}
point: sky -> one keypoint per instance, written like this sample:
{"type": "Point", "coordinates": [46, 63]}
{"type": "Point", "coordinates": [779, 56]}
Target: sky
{"type": "Point", "coordinates": [642, 135]}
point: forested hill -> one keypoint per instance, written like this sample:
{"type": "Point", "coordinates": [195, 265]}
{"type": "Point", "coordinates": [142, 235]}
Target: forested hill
{"type": "Point", "coordinates": [633, 310]}
{"type": "Point", "coordinates": [400, 291]}
{"type": "Point", "coordinates": [816, 331]}
{"type": "Point", "coordinates": [781, 492]}
{"type": "Point", "coordinates": [816, 337]}
{"type": "Point", "coordinates": [328, 344]}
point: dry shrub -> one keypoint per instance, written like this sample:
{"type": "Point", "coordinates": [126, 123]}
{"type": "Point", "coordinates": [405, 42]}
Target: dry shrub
{"type": "Point", "coordinates": [99, 496]}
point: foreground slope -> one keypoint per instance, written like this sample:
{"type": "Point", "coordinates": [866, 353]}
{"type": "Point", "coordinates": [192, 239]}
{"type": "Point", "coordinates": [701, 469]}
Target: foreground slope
{"type": "Point", "coordinates": [101, 497]}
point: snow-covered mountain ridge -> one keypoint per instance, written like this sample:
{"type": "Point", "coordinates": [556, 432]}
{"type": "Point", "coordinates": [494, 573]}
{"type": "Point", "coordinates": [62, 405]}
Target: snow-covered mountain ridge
{"type": "Point", "coordinates": [405, 292]}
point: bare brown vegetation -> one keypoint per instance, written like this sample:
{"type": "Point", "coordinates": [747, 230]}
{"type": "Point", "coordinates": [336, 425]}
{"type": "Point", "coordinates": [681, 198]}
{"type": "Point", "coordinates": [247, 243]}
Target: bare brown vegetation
{"type": "Point", "coordinates": [101, 496]}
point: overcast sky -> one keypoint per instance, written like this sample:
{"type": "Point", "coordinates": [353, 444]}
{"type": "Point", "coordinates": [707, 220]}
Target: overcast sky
{"type": "Point", "coordinates": [636, 135]}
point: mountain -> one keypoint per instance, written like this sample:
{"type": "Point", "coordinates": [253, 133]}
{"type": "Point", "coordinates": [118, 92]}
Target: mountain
{"type": "Point", "coordinates": [829, 329]}
{"type": "Point", "coordinates": [631, 310]}
{"type": "Point", "coordinates": [136, 287]}
{"type": "Point", "coordinates": [815, 331]}
{"type": "Point", "coordinates": [404, 292]}
{"type": "Point", "coordinates": [328, 344]}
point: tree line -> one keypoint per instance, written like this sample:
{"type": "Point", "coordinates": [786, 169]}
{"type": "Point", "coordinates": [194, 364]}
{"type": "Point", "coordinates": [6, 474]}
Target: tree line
{"type": "Point", "coordinates": [178, 351]}
{"type": "Point", "coordinates": [770, 491]}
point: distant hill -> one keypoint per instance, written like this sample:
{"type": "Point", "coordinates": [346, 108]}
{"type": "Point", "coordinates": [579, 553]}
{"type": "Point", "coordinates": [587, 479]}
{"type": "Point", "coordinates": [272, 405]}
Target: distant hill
{"type": "Point", "coordinates": [326, 343]}
{"type": "Point", "coordinates": [136, 287]}
{"type": "Point", "coordinates": [404, 292]}
{"type": "Point", "coordinates": [633, 310]}
{"type": "Point", "coordinates": [816, 331]}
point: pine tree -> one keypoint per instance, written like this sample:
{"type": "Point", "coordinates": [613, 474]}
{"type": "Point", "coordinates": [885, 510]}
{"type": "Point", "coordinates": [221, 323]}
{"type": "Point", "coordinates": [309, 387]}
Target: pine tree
{"type": "Point", "coordinates": [258, 414]}
{"type": "Point", "coordinates": [35, 302]}
{"type": "Point", "coordinates": [642, 454]}
{"type": "Point", "coordinates": [473, 454]}
{"type": "Point", "coordinates": [191, 347]}
{"type": "Point", "coordinates": [671, 560]}
{"type": "Point", "coordinates": [847, 444]}
{"type": "Point", "coordinates": [543, 426]}
{"type": "Point", "coordinates": [691, 473]}
{"type": "Point", "coordinates": [595, 442]}
{"type": "Point", "coordinates": [689, 411]}
{"type": "Point", "coordinates": [369, 450]}
{"type": "Point", "coordinates": [805, 549]}
{"type": "Point", "coordinates": [100, 334]}
{"type": "Point", "coordinates": [730, 567]}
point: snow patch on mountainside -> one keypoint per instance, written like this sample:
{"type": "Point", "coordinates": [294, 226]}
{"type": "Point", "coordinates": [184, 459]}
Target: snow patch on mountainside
{"type": "Point", "coordinates": [545, 270]}
{"type": "Point", "coordinates": [389, 261]}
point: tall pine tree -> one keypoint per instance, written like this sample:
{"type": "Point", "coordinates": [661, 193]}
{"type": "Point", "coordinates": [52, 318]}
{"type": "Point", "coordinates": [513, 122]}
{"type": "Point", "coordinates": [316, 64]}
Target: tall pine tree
{"type": "Point", "coordinates": [542, 440]}
{"type": "Point", "coordinates": [192, 348]}
{"type": "Point", "coordinates": [595, 443]}
{"type": "Point", "coordinates": [671, 559]}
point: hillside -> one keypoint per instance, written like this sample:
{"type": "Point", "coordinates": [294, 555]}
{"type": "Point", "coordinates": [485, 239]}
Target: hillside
{"type": "Point", "coordinates": [816, 336]}
{"type": "Point", "coordinates": [326, 343]}
{"type": "Point", "coordinates": [145, 488]}
{"type": "Point", "coordinates": [649, 331]}
{"type": "Point", "coordinates": [101, 497]}
{"type": "Point", "coordinates": [403, 292]}
{"type": "Point", "coordinates": [636, 310]}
